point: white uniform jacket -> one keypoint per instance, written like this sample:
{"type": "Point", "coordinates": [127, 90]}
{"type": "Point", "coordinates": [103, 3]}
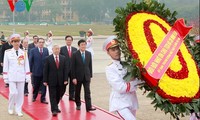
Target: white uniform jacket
{"type": "Point", "coordinates": [89, 48]}
{"type": "Point", "coordinates": [16, 68]}
{"type": "Point", "coordinates": [49, 44]}
{"type": "Point", "coordinates": [123, 93]}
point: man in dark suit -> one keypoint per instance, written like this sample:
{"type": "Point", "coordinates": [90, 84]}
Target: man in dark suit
{"type": "Point", "coordinates": [4, 47]}
{"type": "Point", "coordinates": [31, 46]}
{"type": "Point", "coordinates": [55, 76]}
{"type": "Point", "coordinates": [2, 41]}
{"type": "Point", "coordinates": [67, 51]}
{"type": "Point", "coordinates": [34, 43]}
{"type": "Point", "coordinates": [82, 74]}
{"type": "Point", "coordinates": [36, 60]}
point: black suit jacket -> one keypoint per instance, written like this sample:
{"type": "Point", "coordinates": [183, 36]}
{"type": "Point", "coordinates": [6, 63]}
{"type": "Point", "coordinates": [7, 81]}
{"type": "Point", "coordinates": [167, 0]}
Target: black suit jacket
{"type": "Point", "coordinates": [36, 61]}
{"type": "Point", "coordinates": [79, 69]}
{"type": "Point", "coordinates": [3, 49]}
{"type": "Point", "coordinates": [31, 45]}
{"type": "Point", "coordinates": [51, 74]}
{"type": "Point", "coordinates": [64, 51]}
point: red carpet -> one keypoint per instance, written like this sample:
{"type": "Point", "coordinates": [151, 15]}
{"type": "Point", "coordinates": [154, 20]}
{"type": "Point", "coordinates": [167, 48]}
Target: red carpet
{"type": "Point", "coordinates": [40, 111]}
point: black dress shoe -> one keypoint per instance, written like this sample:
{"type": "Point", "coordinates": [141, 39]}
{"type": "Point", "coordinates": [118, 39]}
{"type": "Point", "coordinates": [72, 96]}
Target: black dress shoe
{"type": "Point", "coordinates": [54, 113]}
{"type": "Point", "coordinates": [6, 85]}
{"type": "Point", "coordinates": [44, 102]}
{"type": "Point", "coordinates": [33, 100]}
{"type": "Point", "coordinates": [25, 94]}
{"type": "Point", "coordinates": [71, 99]}
{"type": "Point", "coordinates": [58, 111]}
{"type": "Point", "coordinates": [78, 107]}
{"type": "Point", "coordinates": [91, 109]}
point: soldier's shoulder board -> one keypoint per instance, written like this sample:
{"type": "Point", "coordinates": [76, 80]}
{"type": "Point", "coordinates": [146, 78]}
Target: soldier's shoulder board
{"type": "Point", "coordinates": [110, 64]}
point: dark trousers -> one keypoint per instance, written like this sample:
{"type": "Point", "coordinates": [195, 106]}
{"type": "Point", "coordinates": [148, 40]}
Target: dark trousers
{"type": "Point", "coordinates": [26, 87]}
{"type": "Point", "coordinates": [54, 95]}
{"type": "Point", "coordinates": [1, 69]}
{"type": "Point", "coordinates": [32, 82]}
{"type": "Point", "coordinates": [86, 85]}
{"type": "Point", "coordinates": [37, 83]}
{"type": "Point", "coordinates": [71, 87]}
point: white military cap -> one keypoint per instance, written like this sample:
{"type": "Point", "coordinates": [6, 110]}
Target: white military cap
{"type": "Point", "coordinates": [110, 42]}
{"type": "Point", "coordinates": [50, 32]}
{"type": "Point", "coordinates": [90, 31]}
{"type": "Point", "coordinates": [26, 32]}
{"type": "Point", "coordinates": [15, 37]}
{"type": "Point", "coordinates": [196, 39]}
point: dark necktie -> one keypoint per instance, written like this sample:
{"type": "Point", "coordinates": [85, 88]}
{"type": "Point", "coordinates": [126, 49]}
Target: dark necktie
{"type": "Point", "coordinates": [17, 53]}
{"type": "Point", "coordinates": [57, 62]}
{"type": "Point", "coordinates": [40, 51]}
{"type": "Point", "coordinates": [69, 51]}
{"type": "Point", "coordinates": [83, 57]}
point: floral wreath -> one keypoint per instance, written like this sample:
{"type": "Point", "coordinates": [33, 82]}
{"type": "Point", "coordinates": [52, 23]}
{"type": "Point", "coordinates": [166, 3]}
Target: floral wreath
{"type": "Point", "coordinates": [140, 28]}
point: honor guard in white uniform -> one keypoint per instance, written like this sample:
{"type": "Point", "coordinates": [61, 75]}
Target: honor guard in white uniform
{"type": "Point", "coordinates": [90, 41]}
{"type": "Point", "coordinates": [123, 99]}
{"type": "Point", "coordinates": [15, 71]}
{"type": "Point", "coordinates": [49, 42]}
{"type": "Point", "coordinates": [26, 35]}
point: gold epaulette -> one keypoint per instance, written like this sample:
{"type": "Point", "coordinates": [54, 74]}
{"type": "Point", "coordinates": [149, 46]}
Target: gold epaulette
{"type": "Point", "coordinates": [110, 64]}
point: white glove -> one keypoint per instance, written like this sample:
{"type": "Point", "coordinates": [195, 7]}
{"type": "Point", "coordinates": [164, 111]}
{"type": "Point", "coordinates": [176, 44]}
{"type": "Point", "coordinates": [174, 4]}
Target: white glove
{"type": "Point", "coordinates": [140, 81]}
{"type": "Point", "coordinates": [6, 80]}
{"type": "Point", "coordinates": [27, 80]}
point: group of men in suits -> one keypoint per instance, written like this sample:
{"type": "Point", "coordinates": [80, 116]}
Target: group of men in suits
{"type": "Point", "coordinates": [68, 51]}
{"type": "Point", "coordinates": [68, 62]}
{"type": "Point", "coordinates": [54, 71]}
{"type": "Point", "coordinates": [36, 61]}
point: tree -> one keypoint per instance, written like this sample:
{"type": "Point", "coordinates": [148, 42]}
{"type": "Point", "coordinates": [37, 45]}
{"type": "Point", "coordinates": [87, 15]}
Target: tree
{"type": "Point", "coordinates": [95, 10]}
{"type": "Point", "coordinates": [55, 9]}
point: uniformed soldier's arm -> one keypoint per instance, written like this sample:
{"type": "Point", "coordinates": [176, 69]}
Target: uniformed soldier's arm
{"type": "Point", "coordinates": [136, 81]}
{"type": "Point", "coordinates": [27, 69]}
{"type": "Point", "coordinates": [6, 67]}
{"type": "Point", "coordinates": [117, 83]}
{"type": "Point", "coordinates": [48, 41]}
{"type": "Point", "coordinates": [89, 42]}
